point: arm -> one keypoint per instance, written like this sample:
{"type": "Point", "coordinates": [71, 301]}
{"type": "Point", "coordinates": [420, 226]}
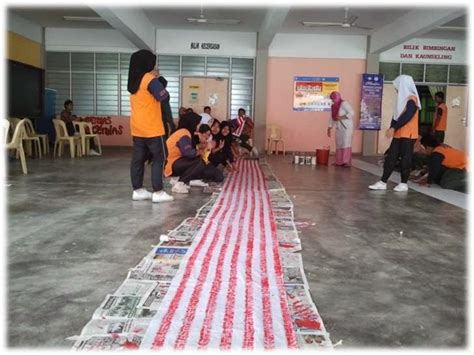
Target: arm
{"type": "Point", "coordinates": [167, 114]}
{"type": "Point", "coordinates": [157, 90]}
{"type": "Point", "coordinates": [186, 148]}
{"type": "Point", "coordinates": [437, 116]}
{"type": "Point", "coordinates": [406, 116]}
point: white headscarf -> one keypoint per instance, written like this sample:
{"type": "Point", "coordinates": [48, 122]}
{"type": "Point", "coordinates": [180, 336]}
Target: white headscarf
{"type": "Point", "coordinates": [406, 88]}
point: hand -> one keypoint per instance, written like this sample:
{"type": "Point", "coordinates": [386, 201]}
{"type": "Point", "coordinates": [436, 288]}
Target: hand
{"type": "Point", "coordinates": [221, 144]}
{"type": "Point", "coordinates": [389, 133]}
{"type": "Point", "coordinates": [424, 182]}
{"type": "Point", "coordinates": [329, 132]}
{"type": "Point", "coordinates": [155, 73]}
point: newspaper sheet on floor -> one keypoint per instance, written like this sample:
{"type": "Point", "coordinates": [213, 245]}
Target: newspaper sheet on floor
{"type": "Point", "coordinates": [310, 329]}
{"type": "Point", "coordinates": [123, 317]}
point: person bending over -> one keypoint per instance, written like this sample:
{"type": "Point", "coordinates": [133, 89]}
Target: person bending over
{"type": "Point", "coordinates": [184, 160]}
{"type": "Point", "coordinates": [447, 166]}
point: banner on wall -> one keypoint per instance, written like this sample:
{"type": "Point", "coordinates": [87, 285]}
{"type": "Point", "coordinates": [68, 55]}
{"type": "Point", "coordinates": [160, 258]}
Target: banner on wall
{"type": "Point", "coordinates": [312, 93]}
{"type": "Point", "coordinates": [371, 103]}
{"type": "Point", "coordinates": [112, 130]}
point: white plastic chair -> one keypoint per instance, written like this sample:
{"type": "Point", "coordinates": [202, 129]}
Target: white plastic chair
{"type": "Point", "coordinates": [31, 137]}
{"type": "Point", "coordinates": [274, 136]}
{"type": "Point", "coordinates": [62, 137]}
{"type": "Point", "coordinates": [16, 142]}
{"type": "Point", "coordinates": [87, 137]}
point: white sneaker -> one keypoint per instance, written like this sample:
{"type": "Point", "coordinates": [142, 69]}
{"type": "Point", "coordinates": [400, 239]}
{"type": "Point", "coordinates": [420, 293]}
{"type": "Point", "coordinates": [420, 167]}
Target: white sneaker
{"type": "Point", "coordinates": [198, 183]}
{"type": "Point", "coordinates": [141, 195]}
{"type": "Point", "coordinates": [174, 180]}
{"type": "Point", "coordinates": [379, 185]}
{"type": "Point", "coordinates": [94, 153]}
{"type": "Point", "coordinates": [180, 188]}
{"type": "Point", "coordinates": [161, 196]}
{"type": "Point", "coordinates": [401, 187]}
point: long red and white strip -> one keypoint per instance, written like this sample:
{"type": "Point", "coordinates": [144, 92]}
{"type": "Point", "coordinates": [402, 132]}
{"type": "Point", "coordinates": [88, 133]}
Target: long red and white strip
{"type": "Point", "coordinates": [228, 292]}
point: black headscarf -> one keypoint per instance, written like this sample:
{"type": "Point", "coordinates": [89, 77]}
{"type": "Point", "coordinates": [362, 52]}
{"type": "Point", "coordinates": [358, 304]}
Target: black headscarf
{"type": "Point", "coordinates": [190, 121]}
{"type": "Point", "coordinates": [141, 62]}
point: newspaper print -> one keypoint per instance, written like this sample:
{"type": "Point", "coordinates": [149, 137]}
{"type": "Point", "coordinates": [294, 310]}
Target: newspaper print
{"type": "Point", "coordinates": [108, 342]}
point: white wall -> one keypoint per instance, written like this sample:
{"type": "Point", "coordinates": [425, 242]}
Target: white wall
{"type": "Point", "coordinates": [399, 53]}
{"type": "Point", "coordinates": [318, 46]}
{"type": "Point", "coordinates": [24, 27]}
{"type": "Point", "coordinates": [237, 44]}
{"type": "Point", "coordinates": [87, 40]}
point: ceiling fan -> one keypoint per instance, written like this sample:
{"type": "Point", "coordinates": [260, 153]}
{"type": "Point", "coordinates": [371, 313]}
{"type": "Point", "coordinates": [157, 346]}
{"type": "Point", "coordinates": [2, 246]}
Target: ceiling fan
{"type": "Point", "coordinates": [348, 22]}
{"type": "Point", "coordinates": [220, 21]}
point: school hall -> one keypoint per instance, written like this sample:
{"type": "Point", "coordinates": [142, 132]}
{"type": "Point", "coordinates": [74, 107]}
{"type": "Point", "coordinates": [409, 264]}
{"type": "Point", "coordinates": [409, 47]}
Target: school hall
{"type": "Point", "coordinates": [210, 177]}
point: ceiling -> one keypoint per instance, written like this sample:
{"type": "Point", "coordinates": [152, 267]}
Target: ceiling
{"type": "Point", "coordinates": [251, 19]}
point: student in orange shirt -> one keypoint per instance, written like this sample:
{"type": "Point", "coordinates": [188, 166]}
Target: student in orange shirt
{"type": "Point", "coordinates": [440, 118]}
{"type": "Point", "coordinates": [403, 131]}
{"type": "Point", "coordinates": [447, 165]}
{"type": "Point", "coordinates": [146, 124]}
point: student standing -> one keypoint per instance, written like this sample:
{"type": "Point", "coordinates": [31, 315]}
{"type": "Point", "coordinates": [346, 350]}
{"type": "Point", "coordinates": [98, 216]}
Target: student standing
{"type": "Point", "coordinates": [404, 131]}
{"type": "Point", "coordinates": [341, 119]}
{"type": "Point", "coordinates": [146, 123]}
{"type": "Point", "coordinates": [440, 119]}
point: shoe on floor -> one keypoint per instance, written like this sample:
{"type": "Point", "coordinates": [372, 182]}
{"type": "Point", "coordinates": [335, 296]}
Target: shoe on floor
{"type": "Point", "coordinates": [401, 187]}
{"type": "Point", "coordinates": [198, 183]}
{"type": "Point", "coordinates": [161, 196]}
{"type": "Point", "coordinates": [174, 180]}
{"type": "Point", "coordinates": [141, 195]}
{"type": "Point", "coordinates": [379, 185]}
{"type": "Point", "coordinates": [254, 152]}
{"type": "Point", "coordinates": [93, 152]}
{"type": "Point", "coordinates": [180, 188]}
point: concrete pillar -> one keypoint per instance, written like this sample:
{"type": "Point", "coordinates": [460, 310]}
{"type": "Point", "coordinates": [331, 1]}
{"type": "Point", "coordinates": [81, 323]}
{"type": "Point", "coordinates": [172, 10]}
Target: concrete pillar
{"type": "Point", "coordinates": [370, 138]}
{"type": "Point", "coordinates": [260, 118]}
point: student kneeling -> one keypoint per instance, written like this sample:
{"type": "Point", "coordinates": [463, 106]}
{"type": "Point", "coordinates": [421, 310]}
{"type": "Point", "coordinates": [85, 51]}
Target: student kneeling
{"type": "Point", "coordinates": [187, 162]}
{"type": "Point", "coordinates": [447, 165]}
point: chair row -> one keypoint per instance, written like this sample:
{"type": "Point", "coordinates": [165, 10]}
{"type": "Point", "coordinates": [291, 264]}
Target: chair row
{"type": "Point", "coordinates": [19, 132]}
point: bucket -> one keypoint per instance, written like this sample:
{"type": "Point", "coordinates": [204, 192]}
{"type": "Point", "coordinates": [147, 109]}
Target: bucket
{"type": "Point", "coordinates": [322, 156]}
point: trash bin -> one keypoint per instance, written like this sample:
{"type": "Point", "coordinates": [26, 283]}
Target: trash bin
{"type": "Point", "coordinates": [322, 156]}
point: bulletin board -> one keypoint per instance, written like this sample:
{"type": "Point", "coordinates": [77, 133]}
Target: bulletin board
{"type": "Point", "coordinates": [198, 92]}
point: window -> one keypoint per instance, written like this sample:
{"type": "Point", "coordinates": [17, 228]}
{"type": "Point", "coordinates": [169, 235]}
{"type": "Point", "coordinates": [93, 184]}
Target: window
{"type": "Point", "coordinates": [97, 82]}
{"type": "Point", "coordinates": [193, 66]}
{"type": "Point", "coordinates": [389, 70]}
{"type": "Point", "coordinates": [415, 70]}
{"type": "Point", "coordinates": [436, 73]}
{"type": "Point", "coordinates": [458, 74]}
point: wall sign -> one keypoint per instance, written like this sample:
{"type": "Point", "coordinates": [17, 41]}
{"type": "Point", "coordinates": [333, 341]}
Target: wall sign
{"type": "Point", "coordinates": [371, 103]}
{"type": "Point", "coordinates": [431, 51]}
{"type": "Point", "coordinates": [197, 45]}
{"type": "Point", "coordinates": [312, 93]}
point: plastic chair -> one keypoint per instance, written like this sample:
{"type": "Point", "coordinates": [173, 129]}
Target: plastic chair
{"type": "Point", "coordinates": [5, 130]}
{"type": "Point", "coordinates": [44, 138]}
{"type": "Point", "coordinates": [17, 141]}
{"type": "Point", "coordinates": [62, 137]}
{"type": "Point", "coordinates": [31, 137]}
{"type": "Point", "coordinates": [274, 136]}
{"type": "Point", "coordinates": [13, 122]}
{"type": "Point", "coordinates": [87, 137]}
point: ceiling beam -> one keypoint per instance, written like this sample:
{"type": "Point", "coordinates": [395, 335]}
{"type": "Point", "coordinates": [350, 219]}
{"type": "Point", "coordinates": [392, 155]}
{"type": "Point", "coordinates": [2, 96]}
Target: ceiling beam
{"type": "Point", "coordinates": [413, 24]}
{"type": "Point", "coordinates": [274, 19]}
{"type": "Point", "coordinates": [131, 23]}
